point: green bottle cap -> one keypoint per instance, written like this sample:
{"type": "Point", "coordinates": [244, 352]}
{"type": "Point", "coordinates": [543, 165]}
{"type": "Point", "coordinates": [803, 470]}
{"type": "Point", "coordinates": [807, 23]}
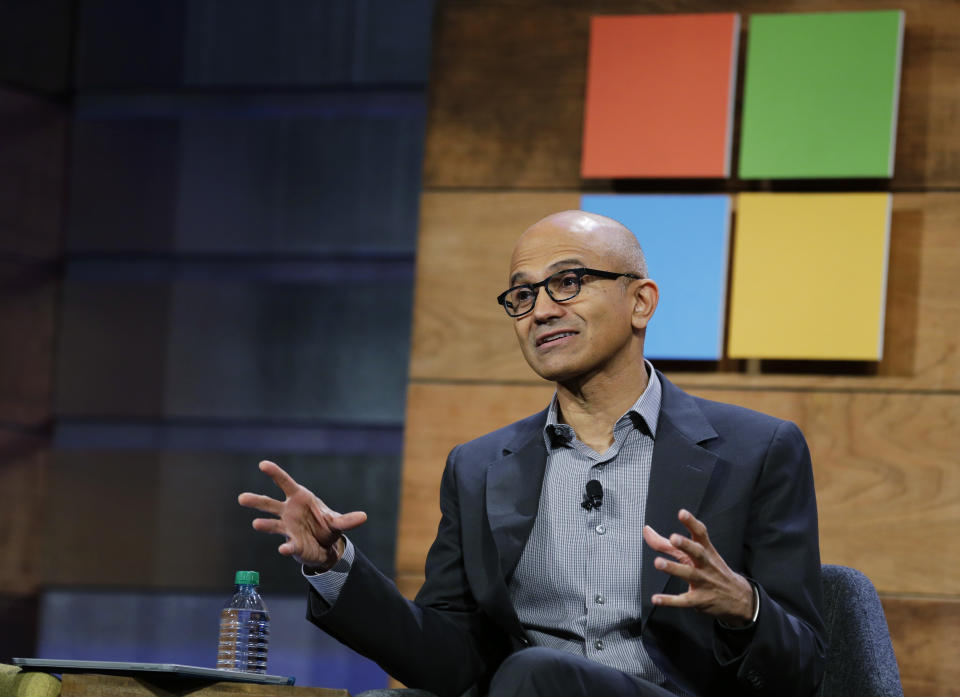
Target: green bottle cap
{"type": "Point", "coordinates": [247, 578]}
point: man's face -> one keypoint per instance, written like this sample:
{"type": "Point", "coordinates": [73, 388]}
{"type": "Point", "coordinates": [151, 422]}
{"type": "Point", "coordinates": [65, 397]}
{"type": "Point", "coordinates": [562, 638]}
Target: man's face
{"type": "Point", "coordinates": [581, 336]}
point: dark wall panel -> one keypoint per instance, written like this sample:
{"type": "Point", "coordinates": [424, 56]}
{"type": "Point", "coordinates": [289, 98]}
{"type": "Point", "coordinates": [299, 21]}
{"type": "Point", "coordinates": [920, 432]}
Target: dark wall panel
{"type": "Point", "coordinates": [304, 184]}
{"type": "Point", "coordinates": [305, 180]}
{"type": "Point", "coordinates": [171, 520]}
{"type": "Point", "coordinates": [34, 50]}
{"type": "Point", "coordinates": [28, 295]}
{"type": "Point", "coordinates": [207, 43]}
{"type": "Point", "coordinates": [236, 186]}
{"type": "Point", "coordinates": [32, 175]}
{"type": "Point", "coordinates": [36, 43]}
{"type": "Point", "coordinates": [19, 618]}
{"type": "Point", "coordinates": [123, 184]}
{"type": "Point", "coordinates": [304, 42]}
{"type": "Point", "coordinates": [129, 44]}
{"type": "Point", "coordinates": [23, 467]}
{"type": "Point", "coordinates": [113, 349]}
{"type": "Point", "coordinates": [331, 351]}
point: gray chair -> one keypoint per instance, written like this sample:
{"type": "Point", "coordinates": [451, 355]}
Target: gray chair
{"type": "Point", "coordinates": [860, 659]}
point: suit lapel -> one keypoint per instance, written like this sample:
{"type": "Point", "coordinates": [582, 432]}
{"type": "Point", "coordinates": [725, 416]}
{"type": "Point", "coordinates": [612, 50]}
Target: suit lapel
{"type": "Point", "coordinates": [679, 475]}
{"type": "Point", "coordinates": [680, 472]}
{"type": "Point", "coordinates": [513, 494]}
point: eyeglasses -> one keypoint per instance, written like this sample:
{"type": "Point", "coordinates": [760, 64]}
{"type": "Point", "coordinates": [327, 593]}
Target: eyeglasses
{"type": "Point", "coordinates": [561, 286]}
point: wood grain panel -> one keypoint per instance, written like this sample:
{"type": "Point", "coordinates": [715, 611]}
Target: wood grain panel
{"type": "Point", "coordinates": [409, 584]}
{"type": "Point", "coordinates": [885, 466]}
{"type": "Point", "coordinates": [438, 418]}
{"type": "Point", "coordinates": [503, 149]}
{"type": "Point", "coordinates": [506, 96]}
{"type": "Point", "coordinates": [464, 250]}
{"type": "Point", "coordinates": [23, 469]}
{"type": "Point", "coordinates": [508, 84]}
{"type": "Point", "coordinates": [923, 313]}
{"type": "Point", "coordinates": [926, 642]}
{"type": "Point", "coordinates": [463, 262]}
{"type": "Point", "coordinates": [887, 478]}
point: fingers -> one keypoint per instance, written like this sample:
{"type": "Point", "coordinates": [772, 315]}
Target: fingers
{"type": "Point", "coordinates": [698, 530]}
{"type": "Point", "coordinates": [290, 548]}
{"type": "Point", "coordinates": [713, 587]}
{"type": "Point", "coordinates": [283, 480]}
{"type": "Point", "coordinates": [310, 527]}
{"type": "Point", "coordinates": [272, 526]}
{"type": "Point", "coordinates": [337, 522]}
{"type": "Point", "coordinates": [661, 544]}
{"type": "Point", "coordinates": [684, 571]}
{"type": "Point", "coordinates": [681, 600]}
{"type": "Point", "coordinates": [693, 550]}
{"type": "Point", "coordinates": [260, 503]}
{"type": "Point", "coordinates": [347, 521]}
{"type": "Point", "coordinates": [683, 549]}
{"type": "Point", "coordinates": [656, 540]}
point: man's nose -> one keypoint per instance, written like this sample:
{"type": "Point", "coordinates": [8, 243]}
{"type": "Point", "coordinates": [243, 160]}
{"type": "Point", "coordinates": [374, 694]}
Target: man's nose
{"type": "Point", "coordinates": [546, 308]}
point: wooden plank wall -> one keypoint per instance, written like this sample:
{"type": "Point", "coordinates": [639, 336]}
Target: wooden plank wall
{"type": "Point", "coordinates": [503, 149]}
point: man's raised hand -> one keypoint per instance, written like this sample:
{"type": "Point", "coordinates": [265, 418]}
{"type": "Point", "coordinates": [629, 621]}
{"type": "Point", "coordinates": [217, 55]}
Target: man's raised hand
{"type": "Point", "coordinates": [715, 588]}
{"type": "Point", "coordinates": [313, 532]}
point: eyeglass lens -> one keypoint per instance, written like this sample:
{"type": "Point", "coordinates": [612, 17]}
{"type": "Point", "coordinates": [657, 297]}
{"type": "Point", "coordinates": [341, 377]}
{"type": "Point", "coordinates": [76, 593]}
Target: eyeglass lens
{"type": "Point", "coordinates": [561, 286]}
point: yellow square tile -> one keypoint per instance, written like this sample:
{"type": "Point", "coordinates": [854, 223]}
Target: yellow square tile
{"type": "Point", "coordinates": [809, 276]}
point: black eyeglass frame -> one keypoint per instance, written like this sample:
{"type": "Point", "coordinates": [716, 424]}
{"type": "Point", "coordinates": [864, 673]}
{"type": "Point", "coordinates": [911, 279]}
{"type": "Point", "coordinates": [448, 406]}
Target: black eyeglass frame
{"type": "Point", "coordinates": [580, 272]}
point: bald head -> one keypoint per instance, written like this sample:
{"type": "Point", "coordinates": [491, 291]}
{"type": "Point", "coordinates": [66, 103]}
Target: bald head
{"type": "Point", "coordinates": [609, 238]}
{"type": "Point", "coordinates": [598, 324]}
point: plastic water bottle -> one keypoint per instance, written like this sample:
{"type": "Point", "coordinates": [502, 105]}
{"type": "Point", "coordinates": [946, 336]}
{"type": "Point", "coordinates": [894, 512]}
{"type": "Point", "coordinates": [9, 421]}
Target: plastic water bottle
{"type": "Point", "coordinates": [244, 627]}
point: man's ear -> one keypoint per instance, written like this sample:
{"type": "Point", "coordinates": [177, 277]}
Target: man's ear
{"type": "Point", "coordinates": [645, 297]}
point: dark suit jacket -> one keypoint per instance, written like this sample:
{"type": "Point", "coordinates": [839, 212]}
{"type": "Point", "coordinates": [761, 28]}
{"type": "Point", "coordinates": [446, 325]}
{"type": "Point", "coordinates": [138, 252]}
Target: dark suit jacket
{"type": "Point", "coordinates": [746, 475]}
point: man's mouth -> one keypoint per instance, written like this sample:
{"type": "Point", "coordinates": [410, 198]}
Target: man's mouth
{"type": "Point", "coordinates": [551, 338]}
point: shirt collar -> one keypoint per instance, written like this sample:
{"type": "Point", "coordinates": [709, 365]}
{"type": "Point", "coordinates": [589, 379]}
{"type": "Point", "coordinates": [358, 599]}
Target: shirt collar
{"type": "Point", "coordinates": [644, 414]}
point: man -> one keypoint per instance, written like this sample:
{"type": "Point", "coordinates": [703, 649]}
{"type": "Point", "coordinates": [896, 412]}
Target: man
{"type": "Point", "coordinates": [544, 578]}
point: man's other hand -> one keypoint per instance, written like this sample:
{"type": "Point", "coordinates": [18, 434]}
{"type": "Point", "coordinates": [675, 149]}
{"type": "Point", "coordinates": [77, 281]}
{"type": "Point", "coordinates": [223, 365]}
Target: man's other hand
{"type": "Point", "coordinates": [714, 589]}
{"type": "Point", "coordinates": [313, 532]}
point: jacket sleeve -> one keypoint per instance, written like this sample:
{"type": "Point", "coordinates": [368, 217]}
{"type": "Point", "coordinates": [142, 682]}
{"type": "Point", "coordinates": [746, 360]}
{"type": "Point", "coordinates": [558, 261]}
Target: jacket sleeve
{"type": "Point", "coordinates": [782, 557]}
{"type": "Point", "coordinates": [441, 641]}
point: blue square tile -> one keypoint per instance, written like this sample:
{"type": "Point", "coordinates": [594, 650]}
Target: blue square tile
{"type": "Point", "coordinates": [686, 240]}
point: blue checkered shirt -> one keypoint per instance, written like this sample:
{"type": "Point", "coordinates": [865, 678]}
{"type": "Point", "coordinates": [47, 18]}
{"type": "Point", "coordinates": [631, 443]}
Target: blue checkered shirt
{"type": "Point", "coordinates": [577, 585]}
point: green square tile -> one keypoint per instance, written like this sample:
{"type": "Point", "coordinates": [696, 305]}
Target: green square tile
{"type": "Point", "coordinates": [820, 95]}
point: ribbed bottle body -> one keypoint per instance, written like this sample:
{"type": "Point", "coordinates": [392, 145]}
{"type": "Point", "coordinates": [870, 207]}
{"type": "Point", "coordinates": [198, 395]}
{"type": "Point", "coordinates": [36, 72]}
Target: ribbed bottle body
{"type": "Point", "coordinates": [244, 632]}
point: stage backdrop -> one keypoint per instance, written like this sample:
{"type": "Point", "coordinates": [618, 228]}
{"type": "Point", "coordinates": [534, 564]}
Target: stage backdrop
{"type": "Point", "coordinates": [503, 148]}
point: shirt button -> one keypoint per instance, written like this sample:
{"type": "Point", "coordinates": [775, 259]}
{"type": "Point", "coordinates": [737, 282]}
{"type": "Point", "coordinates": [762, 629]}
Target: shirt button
{"type": "Point", "coordinates": [599, 599]}
{"type": "Point", "coordinates": [600, 529]}
{"type": "Point", "coordinates": [598, 644]}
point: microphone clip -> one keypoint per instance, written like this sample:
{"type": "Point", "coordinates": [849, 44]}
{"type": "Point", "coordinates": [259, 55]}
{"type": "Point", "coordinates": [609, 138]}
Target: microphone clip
{"type": "Point", "coordinates": [593, 498]}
